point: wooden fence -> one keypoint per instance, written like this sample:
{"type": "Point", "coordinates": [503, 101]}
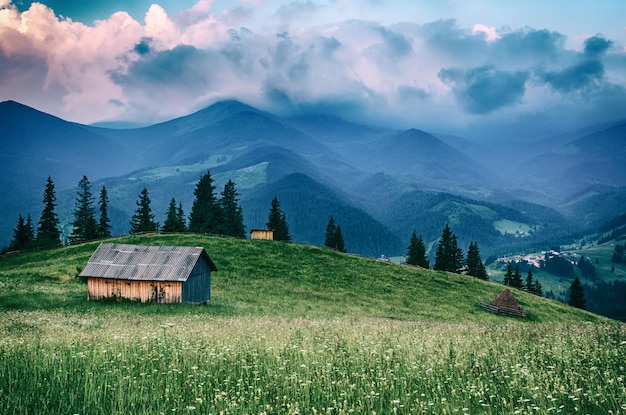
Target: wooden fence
{"type": "Point", "coordinates": [505, 311]}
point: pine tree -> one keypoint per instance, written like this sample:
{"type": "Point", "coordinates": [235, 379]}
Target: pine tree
{"type": "Point", "coordinates": [333, 237]}
{"type": "Point", "coordinates": [516, 281]}
{"type": "Point", "coordinates": [277, 221]}
{"type": "Point", "coordinates": [537, 290]}
{"type": "Point", "coordinates": [84, 225]}
{"type": "Point", "coordinates": [329, 235]}
{"type": "Point", "coordinates": [232, 212]}
{"type": "Point", "coordinates": [104, 224]}
{"type": "Point", "coordinates": [475, 266]}
{"type": "Point", "coordinates": [530, 285]}
{"type": "Point", "coordinates": [173, 221]}
{"type": "Point", "coordinates": [448, 256]}
{"type": "Point", "coordinates": [23, 235]}
{"type": "Point", "coordinates": [416, 252]}
{"type": "Point", "coordinates": [577, 295]}
{"type": "Point", "coordinates": [508, 276]}
{"type": "Point", "coordinates": [180, 215]}
{"type": "Point", "coordinates": [339, 242]}
{"type": "Point", "coordinates": [205, 216]}
{"type": "Point", "coordinates": [48, 233]}
{"type": "Point", "coordinates": [143, 219]}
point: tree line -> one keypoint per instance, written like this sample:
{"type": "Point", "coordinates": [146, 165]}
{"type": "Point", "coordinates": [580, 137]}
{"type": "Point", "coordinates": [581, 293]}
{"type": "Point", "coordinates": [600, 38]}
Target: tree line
{"type": "Point", "coordinates": [209, 214]}
{"type": "Point", "coordinates": [448, 256]}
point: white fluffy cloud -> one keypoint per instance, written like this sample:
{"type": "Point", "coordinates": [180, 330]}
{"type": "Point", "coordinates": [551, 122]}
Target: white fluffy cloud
{"type": "Point", "coordinates": [434, 75]}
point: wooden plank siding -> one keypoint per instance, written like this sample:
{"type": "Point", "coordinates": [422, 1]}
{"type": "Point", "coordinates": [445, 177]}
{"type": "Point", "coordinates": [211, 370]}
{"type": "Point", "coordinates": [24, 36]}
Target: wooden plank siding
{"type": "Point", "coordinates": [144, 291]}
{"type": "Point", "coordinates": [266, 234]}
{"type": "Point", "coordinates": [197, 288]}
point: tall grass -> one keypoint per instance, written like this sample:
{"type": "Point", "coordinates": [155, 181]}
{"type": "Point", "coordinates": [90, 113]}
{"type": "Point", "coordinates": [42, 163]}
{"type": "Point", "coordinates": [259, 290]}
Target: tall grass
{"type": "Point", "coordinates": [250, 365]}
{"type": "Point", "coordinates": [297, 330]}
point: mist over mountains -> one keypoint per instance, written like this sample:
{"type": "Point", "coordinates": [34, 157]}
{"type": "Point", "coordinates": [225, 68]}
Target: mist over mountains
{"type": "Point", "coordinates": [378, 183]}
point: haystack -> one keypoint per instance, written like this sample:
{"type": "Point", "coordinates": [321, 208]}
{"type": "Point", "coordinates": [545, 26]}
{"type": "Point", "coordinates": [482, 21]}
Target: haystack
{"type": "Point", "coordinates": [505, 303]}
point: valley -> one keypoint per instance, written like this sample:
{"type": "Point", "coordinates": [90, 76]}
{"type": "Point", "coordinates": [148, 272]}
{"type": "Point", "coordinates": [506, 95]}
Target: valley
{"type": "Point", "coordinates": [380, 184]}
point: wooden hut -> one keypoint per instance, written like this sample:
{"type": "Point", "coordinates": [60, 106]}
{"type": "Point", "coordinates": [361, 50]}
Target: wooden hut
{"type": "Point", "coordinates": [505, 303]}
{"type": "Point", "coordinates": [162, 274]}
{"type": "Point", "coordinates": [267, 234]}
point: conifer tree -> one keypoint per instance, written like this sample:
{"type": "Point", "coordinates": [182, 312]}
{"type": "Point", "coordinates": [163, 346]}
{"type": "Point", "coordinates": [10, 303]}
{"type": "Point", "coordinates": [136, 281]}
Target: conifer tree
{"type": "Point", "coordinates": [205, 216]}
{"type": "Point", "coordinates": [416, 252]}
{"type": "Point", "coordinates": [329, 234]}
{"type": "Point", "coordinates": [516, 281]}
{"type": "Point", "coordinates": [577, 295]}
{"type": "Point", "coordinates": [277, 221]}
{"type": "Point", "coordinates": [48, 233]}
{"type": "Point", "coordinates": [84, 226]}
{"type": "Point", "coordinates": [173, 221]}
{"type": "Point", "coordinates": [508, 276]}
{"type": "Point", "coordinates": [143, 219]}
{"type": "Point", "coordinates": [537, 290]}
{"type": "Point", "coordinates": [23, 235]}
{"type": "Point", "coordinates": [104, 224]}
{"type": "Point", "coordinates": [180, 215]}
{"type": "Point", "coordinates": [232, 212]}
{"type": "Point", "coordinates": [475, 266]}
{"type": "Point", "coordinates": [448, 256]}
{"type": "Point", "coordinates": [333, 237]}
{"type": "Point", "coordinates": [530, 284]}
{"type": "Point", "coordinates": [340, 245]}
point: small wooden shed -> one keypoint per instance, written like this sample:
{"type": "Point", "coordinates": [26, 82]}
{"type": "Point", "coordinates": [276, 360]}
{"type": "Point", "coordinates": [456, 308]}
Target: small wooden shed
{"type": "Point", "coordinates": [161, 274]}
{"type": "Point", "coordinates": [505, 303]}
{"type": "Point", "coordinates": [267, 234]}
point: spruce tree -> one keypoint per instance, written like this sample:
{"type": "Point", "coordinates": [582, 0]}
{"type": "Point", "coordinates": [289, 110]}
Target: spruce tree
{"type": "Point", "coordinates": [448, 256]}
{"type": "Point", "coordinates": [84, 226]}
{"type": "Point", "coordinates": [205, 216]}
{"type": "Point", "coordinates": [340, 245]}
{"type": "Point", "coordinates": [333, 237]}
{"type": "Point", "coordinates": [23, 235]}
{"type": "Point", "coordinates": [475, 266]}
{"type": "Point", "coordinates": [516, 281]}
{"type": "Point", "coordinates": [143, 219]}
{"type": "Point", "coordinates": [48, 234]}
{"type": "Point", "coordinates": [180, 215]}
{"type": "Point", "coordinates": [232, 212]}
{"type": "Point", "coordinates": [173, 221]}
{"type": "Point", "coordinates": [537, 290]}
{"type": "Point", "coordinates": [277, 221]}
{"type": "Point", "coordinates": [330, 233]}
{"type": "Point", "coordinates": [416, 252]}
{"type": "Point", "coordinates": [530, 284]}
{"type": "Point", "coordinates": [104, 224]}
{"type": "Point", "coordinates": [508, 276]}
{"type": "Point", "coordinates": [577, 295]}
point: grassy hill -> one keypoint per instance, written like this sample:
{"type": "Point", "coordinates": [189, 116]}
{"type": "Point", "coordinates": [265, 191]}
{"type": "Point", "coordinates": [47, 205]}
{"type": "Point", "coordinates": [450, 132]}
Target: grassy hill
{"type": "Point", "coordinates": [295, 329]}
{"type": "Point", "coordinates": [290, 280]}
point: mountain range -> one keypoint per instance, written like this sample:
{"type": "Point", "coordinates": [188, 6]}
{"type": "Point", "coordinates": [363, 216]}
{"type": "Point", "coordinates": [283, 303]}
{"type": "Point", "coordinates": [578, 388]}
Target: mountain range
{"type": "Point", "coordinates": [378, 183]}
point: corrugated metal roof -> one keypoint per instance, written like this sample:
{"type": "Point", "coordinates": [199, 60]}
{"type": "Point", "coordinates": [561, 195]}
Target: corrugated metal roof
{"type": "Point", "coordinates": [144, 263]}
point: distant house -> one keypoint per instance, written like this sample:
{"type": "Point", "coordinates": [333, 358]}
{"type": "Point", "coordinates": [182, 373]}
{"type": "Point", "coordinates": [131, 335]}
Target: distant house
{"type": "Point", "coordinates": [161, 274]}
{"type": "Point", "coordinates": [267, 234]}
{"type": "Point", "coordinates": [505, 303]}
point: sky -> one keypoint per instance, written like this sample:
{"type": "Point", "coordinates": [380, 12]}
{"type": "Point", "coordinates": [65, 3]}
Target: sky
{"type": "Point", "coordinates": [481, 69]}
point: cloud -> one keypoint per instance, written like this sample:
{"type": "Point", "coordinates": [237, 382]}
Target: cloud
{"type": "Point", "coordinates": [490, 32]}
{"type": "Point", "coordinates": [437, 75]}
{"type": "Point", "coordinates": [485, 89]}
{"type": "Point", "coordinates": [296, 9]}
{"type": "Point", "coordinates": [596, 46]}
{"type": "Point", "coordinates": [576, 77]}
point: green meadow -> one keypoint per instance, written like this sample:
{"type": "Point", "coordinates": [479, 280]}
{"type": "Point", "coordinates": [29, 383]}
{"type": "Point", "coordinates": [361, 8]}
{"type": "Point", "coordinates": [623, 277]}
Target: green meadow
{"type": "Point", "coordinates": [295, 329]}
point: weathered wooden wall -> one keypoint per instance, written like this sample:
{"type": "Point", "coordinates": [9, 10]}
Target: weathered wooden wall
{"type": "Point", "coordinates": [197, 288]}
{"type": "Point", "coordinates": [144, 291]}
{"type": "Point", "coordinates": [262, 234]}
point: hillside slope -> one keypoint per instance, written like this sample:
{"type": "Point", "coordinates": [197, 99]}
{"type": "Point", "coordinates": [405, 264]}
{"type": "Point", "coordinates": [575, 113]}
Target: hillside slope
{"type": "Point", "coordinates": [277, 279]}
